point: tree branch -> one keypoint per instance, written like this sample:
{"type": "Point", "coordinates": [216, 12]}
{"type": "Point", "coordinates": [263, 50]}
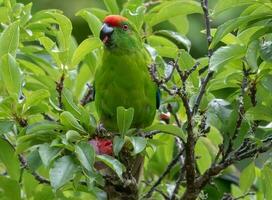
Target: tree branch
{"type": "Point", "coordinates": [38, 177]}
{"type": "Point", "coordinates": [241, 113]}
{"type": "Point", "coordinates": [59, 88]}
{"type": "Point", "coordinates": [89, 95]}
{"type": "Point", "coordinates": [205, 8]}
{"type": "Point", "coordinates": [166, 171]}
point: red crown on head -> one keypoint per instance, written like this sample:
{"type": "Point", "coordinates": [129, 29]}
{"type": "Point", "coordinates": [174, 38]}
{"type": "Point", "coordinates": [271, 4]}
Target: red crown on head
{"type": "Point", "coordinates": [114, 20]}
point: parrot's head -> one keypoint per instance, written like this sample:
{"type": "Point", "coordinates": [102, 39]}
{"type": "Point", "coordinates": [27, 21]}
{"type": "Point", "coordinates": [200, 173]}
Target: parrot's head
{"type": "Point", "coordinates": [118, 33]}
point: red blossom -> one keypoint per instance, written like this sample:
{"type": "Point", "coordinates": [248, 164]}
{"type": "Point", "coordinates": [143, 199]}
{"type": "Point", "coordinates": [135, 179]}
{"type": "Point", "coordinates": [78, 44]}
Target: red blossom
{"type": "Point", "coordinates": [102, 145]}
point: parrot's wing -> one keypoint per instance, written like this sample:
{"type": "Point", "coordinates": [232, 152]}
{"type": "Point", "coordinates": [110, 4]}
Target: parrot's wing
{"type": "Point", "coordinates": [158, 98]}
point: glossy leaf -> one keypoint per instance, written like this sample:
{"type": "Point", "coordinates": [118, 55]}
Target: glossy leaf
{"type": "Point", "coordinates": [9, 39]}
{"type": "Point", "coordinates": [112, 6]}
{"type": "Point", "coordinates": [124, 118]}
{"type": "Point", "coordinates": [177, 38]}
{"type": "Point", "coordinates": [113, 163]}
{"type": "Point", "coordinates": [85, 154]}
{"type": "Point", "coordinates": [118, 144]}
{"type": "Point", "coordinates": [138, 143]}
{"type": "Point", "coordinates": [266, 51]}
{"type": "Point", "coordinates": [247, 177]}
{"type": "Point", "coordinates": [10, 159]}
{"type": "Point", "coordinates": [10, 188]}
{"type": "Point", "coordinates": [11, 75]}
{"type": "Point", "coordinates": [252, 54]}
{"type": "Point", "coordinates": [167, 128]}
{"type": "Point", "coordinates": [93, 22]}
{"type": "Point", "coordinates": [180, 7]}
{"type": "Point", "coordinates": [70, 122]}
{"type": "Point", "coordinates": [225, 54]}
{"type": "Point", "coordinates": [48, 153]}
{"type": "Point", "coordinates": [62, 171]}
{"type": "Point", "coordinates": [85, 48]}
{"type": "Point", "coordinates": [204, 159]}
{"type": "Point", "coordinates": [69, 103]}
{"type": "Point", "coordinates": [233, 24]}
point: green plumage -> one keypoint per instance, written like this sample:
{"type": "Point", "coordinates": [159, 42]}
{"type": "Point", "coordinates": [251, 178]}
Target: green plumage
{"type": "Point", "coordinates": [123, 80]}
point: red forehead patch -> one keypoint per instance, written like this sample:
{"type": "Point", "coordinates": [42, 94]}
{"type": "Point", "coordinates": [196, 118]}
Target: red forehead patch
{"type": "Point", "coordinates": [115, 20]}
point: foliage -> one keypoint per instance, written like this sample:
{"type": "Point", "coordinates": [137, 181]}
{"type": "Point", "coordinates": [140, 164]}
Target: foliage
{"type": "Point", "coordinates": [216, 108]}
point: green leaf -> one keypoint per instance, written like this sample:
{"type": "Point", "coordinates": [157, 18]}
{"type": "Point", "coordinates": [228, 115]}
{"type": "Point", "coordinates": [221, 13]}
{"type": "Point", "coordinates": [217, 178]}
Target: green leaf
{"type": "Point", "coordinates": [65, 27]}
{"type": "Point", "coordinates": [35, 98]}
{"type": "Point", "coordinates": [266, 51]}
{"type": "Point", "coordinates": [9, 158]}
{"type": "Point", "coordinates": [43, 126]}
{"type": "Point", "coordinates": [10, 189]}
{"type": "Point", "coordinates": [225, 54]}
{"type": "Point", "coordinates": [70, 122]}
{"type": "Point", "coordinates": [138, 143]}
{"type": "Point", "coordinates": [9, 39]}
{"type": "Point", "coordinates": [247, 177]}
{"type": "Point", "coordinates": [114, 164]}
{"type": "Point", "coordinates": [124, 119]}
{"type": "Point", "coordinates": [267, 181]}
{"type": "Point", "coordinates": [33, 160]}
{"type": "Point", "coordinates": [85, 47]}
{"type": "Point", "coordinates": [137, 17]}
{"type": "Point", "coordinates": [252, 54]}
{"type": "Point", "coordinates": [233, 24]}
{"type": "Point", "coordinates": [5, 126]}
{"type": "Point", "coordinates": [222, 6]}
{"type": "Point", "coordinates": [4, 14]}
{"type": "Point", "coordinates": [118, 144]}
{"type": "Point", "coordinates": [48, 153]}
{"type": "Point", "coordinates": [177, 38]}
{"type": "Point", "coordinates": [72, 136]}
{"type": "Point", "coordinates": [112, 6]}
{"type": "Point", "coordinates": [93, 22]}
{"type": "Point", "coordinates": [68, 102]}
{"type": "Point", "coordinates": [204, 160]}
{"type": "Point", "coordinates": [259, 112]}
{"type": "Point", "coordinates": [85, 154]}
{"type": "Point", "coordinates": [11, 75]}
{"type": "Point", "coordinates": [167, 128]}
{"type": "Point", "coordinates": [181, 23]}
{"type": "Point", "coordinates": [63, 171]}
{"type": "Point", "coordinates": [180, 7]}
{"type": "Point", "coordinates": [186, 61]}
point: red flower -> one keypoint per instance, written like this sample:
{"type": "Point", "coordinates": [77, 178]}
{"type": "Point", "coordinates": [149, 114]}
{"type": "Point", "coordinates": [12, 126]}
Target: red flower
{"type": "Point", "coordinates": [102, 145]}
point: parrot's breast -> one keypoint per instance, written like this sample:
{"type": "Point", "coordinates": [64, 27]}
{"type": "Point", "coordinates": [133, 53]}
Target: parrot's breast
{"type": "Point", "coordinates": [125, 81]}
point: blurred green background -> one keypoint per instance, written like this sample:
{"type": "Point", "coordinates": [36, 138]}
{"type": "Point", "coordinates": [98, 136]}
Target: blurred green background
{"type": "Point", "coordinates": [81, 30]}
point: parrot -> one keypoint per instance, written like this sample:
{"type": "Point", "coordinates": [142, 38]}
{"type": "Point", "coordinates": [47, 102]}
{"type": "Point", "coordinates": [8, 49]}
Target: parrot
{"type": "Point", "coordinates": [123, 79]}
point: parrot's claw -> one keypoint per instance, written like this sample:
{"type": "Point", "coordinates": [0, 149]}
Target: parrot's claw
{"type": "Point", "coordinates": [100, 130]}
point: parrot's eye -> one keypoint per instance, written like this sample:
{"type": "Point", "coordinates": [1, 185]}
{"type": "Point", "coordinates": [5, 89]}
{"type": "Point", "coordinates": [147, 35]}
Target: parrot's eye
{"type": "Point", "coordinates": [125, 27]}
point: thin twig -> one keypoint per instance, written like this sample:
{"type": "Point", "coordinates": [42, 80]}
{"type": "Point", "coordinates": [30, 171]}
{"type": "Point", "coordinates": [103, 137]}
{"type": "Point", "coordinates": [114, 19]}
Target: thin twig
{"type": "Point", "coordinates": [47, 117]}
{"type": "Point", "coordinates": [89, 95]}
{"type": "Point", "coordinates": [205, 8]}
{"type": "Point", "coordinates": [150, 134]}
{"type": "Point", "coordinates": [166, 171]}
{"type": "Point", "coordinates": [151, 3]}
{"type": "Point", "coordinates": [38, 177]}
{"type": "Point", "coordinates": [202, 91]}
{"type": "Point", "coordinates": [177, 185]}
{"type": "Point", "coordinates": [59, 88]}
{"type": "Point", "coordinates": [241, 113]}
{"type": "Point", "coordinates": [246, 150]}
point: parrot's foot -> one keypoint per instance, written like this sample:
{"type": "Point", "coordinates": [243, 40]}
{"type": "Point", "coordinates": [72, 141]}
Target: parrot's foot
{"type": "Point", "coordinates": [101, 131]}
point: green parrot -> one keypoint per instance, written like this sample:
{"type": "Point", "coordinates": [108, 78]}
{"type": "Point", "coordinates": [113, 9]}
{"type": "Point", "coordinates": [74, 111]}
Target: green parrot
{"type": "Point", "coordinates": [123, 78]}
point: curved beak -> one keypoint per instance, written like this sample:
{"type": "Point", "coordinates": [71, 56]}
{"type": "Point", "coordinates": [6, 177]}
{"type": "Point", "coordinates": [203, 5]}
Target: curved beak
{"type": "Point", "coordinates": [106, 33]}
